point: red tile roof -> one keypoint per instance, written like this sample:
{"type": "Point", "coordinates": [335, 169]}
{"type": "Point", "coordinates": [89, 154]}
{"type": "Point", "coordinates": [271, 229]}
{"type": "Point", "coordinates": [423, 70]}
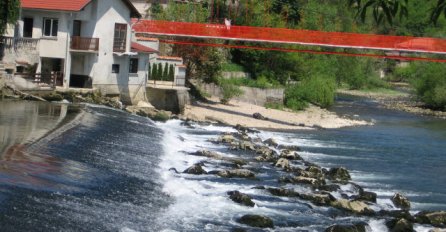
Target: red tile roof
{"type": "Point", "coordinates": [68, 5]}
{"type": "Point", "coordinates": [65, 5]}
{"type": "Point", "coordinates": [136, 47]}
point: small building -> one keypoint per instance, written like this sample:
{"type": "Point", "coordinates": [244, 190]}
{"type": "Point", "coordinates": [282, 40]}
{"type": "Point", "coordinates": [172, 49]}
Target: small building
{"type": "Point", "coordinates": [81, 44]}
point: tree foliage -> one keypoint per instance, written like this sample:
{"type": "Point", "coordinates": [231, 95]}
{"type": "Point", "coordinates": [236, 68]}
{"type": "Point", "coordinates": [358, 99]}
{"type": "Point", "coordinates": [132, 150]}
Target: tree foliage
{"type": "Point", "coordinates": [9, 13]}
{"type": "Point", "coordinates": [381, 9]}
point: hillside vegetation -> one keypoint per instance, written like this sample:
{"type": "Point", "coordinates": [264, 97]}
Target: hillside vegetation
{"type": "Point", "coordinates": [315, 78]}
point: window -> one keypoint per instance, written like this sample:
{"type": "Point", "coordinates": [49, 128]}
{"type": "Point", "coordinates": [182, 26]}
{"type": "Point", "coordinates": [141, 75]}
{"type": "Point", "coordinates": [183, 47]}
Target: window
{"type": "Point", "coordinates": [50, 27]}
{"type": "Point", "coordinates": [28, 24]}
{"type": "Point", "coordinates": [133, 67]}
{"type": "Point", "coordinates": [120, 38]}
{"type": "Point", "coordinates": [115, 68]}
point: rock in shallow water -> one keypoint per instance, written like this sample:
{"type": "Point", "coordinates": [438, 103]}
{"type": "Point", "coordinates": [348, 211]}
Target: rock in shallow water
{"type": "Point", "coordinates": [400, 225]}
{"type": "Point", "coordinates": [347, 228]}
{"type": "Point", "coordinates": [236, 173]}
{"type": "Point", "coordinates": [283, 163]}
{"type": "Point", "coordinates": [437, 218]}
{"type": "Point", "coordinates": [339, 174]}
{"type": "Point", "coordinates": [195, 169]}
{"type": "Point", "coordinates": [357, 207]}
{"type": "Point", "coordinates": [257, 221]}
{"type": "Point", "coordinates": [241, 198]}
{"type": "Point", "coordinates": [401, 201]}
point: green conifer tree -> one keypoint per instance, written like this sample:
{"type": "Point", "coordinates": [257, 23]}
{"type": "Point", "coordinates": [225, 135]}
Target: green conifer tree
{"type": "Point", "coordinates": [154, 72]}
{"type": "Point", "coordinates": [165, 72]}
{"type": "Point", "coordinates": [171, 72]}
{"type": "Point", "coordinates": [159, 74]}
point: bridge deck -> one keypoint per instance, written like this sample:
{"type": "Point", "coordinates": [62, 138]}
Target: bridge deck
{"type": "Point", "coordinates": [290, 36]}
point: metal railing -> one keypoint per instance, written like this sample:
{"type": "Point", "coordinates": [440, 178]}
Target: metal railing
{"type": "Point", "coordinates": [84, 43]}
{"type": "Point", "coordinates": [51, 79]}
{"type": "Point", "coordinates": [12, 43]}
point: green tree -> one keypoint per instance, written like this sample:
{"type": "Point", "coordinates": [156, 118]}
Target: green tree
{"type": "Point", "coordinates": [9, 14]}
{"type": "Point", "coordinates": [159, 74]}
{"type": "Point", "coordinates": [165, 75]}
{"type": "Point", "coordinates": [381, 9]}
{"type": "Point", "coordinates": [439, 9]}
{"type": "Point", "coordinates": [154, 72]}
{"type": "Point", "coordinates": [171, 72]}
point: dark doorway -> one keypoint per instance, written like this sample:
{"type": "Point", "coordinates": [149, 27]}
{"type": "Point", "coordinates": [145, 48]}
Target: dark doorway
{"type": "Point", "coordinates": [28, 25]}
{"type": "Point", "coordinates": [77, 27]}
{"type": "Point", "coordinates": [52, 71]}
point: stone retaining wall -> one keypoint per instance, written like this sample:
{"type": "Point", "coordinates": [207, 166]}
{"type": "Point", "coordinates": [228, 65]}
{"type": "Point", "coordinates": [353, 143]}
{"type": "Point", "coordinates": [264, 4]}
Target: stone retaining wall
{"type": "Point", "coordinates": [255, 96]}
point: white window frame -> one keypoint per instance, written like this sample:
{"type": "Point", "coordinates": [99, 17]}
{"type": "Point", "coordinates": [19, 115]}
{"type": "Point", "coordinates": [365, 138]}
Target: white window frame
{"type": "Point", "coordinates": [51, 29]}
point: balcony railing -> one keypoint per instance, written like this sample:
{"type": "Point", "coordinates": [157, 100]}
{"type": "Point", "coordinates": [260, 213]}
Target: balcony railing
{"type": "Point", "coordinates": [119, 45]}
{"type": "Point", "coordinates": [84, 43]}
{"type": "Point", "coordinates": [14, 44]}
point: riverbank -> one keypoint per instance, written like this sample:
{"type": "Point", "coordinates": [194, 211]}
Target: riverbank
{"type": "Point", "coordinates": [395, 99]}
{"type": "Point", "coordinates": [242, 113]}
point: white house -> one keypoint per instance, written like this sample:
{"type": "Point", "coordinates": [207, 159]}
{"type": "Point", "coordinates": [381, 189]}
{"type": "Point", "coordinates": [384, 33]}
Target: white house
{"type": "Point", "coordinates": [82, 44]}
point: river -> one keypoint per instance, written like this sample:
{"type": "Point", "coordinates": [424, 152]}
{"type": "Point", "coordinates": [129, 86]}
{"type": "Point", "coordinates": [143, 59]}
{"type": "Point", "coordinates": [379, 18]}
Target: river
{"type": "Point", "coordinates": [91, 168]}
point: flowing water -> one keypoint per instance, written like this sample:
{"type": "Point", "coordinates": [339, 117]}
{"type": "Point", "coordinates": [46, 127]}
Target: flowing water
{"type": "Point", "coordinates": [89, 168]}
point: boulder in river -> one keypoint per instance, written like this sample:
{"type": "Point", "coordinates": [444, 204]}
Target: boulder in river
{"type": "Point", "coordinates": [257, 221]}
{"type": "Point", "coordinates": [195, 169]}
{"type": "Point", "coordinates": [366, 196]}
{"type": "Point", "coordinates": [357, 207]}
{"type": "Point", "coordinates": [283, 163]}
{"type": "Point", "coordinates": [339, 174]}
{"type": "Point", "coordinates": [400, 225]}
{"type": "Point", "coordinates": [360, 227]}
{"type": "Point", "coordinates": [436, 218]}
{"type": "Point", "coordinates": [280, 192]}
{"type": "Point", "coordinates": [400, 201]}
{"type": "Point", "coordinates": [226, 138]}
{"type": "Point", "coordinates": [271, 142]}
{"type": "Point", "coordinates": [244, 145]}
{"type": "Point", "coordinates": [290, 155]}
{"type": "Point", "coordinates": [236, 173]}
{"type": "Point", "coordinates": [303, 180]}
{"type": "Point", "coordinates": [241, 198]}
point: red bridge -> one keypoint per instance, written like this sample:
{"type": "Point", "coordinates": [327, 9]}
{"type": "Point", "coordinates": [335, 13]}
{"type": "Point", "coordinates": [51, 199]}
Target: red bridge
{"type": "Point", "coordinates": [282, 36]}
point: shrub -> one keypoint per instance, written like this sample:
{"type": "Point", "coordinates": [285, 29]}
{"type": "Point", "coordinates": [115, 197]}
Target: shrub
{"type": "Point", "coordinates": [319, 90]}
{"type": "Point", "coordinates": [429, 81]}
{"type": "Point", "coordinates": [229, 91]}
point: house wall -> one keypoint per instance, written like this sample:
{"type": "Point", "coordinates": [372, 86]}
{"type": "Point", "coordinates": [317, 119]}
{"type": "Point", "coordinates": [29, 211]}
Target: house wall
{"type": "Point", "coordinates": [109, 13]}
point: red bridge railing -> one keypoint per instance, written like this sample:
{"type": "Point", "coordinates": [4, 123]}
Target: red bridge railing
{"type": "Point", "coordinates": [290, 36]}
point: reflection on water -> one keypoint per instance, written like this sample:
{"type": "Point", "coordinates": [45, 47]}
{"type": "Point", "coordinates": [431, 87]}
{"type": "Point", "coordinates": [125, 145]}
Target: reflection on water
{"type": "Point", "coordinates": [26, 122]}
{"type": "Point", "coordinates": [21, 124]}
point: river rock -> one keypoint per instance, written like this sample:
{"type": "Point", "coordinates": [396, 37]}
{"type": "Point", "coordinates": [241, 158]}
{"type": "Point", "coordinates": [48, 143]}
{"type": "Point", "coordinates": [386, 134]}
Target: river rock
{"type": "Point", "coordinates": [290, 155]}
{"type": "Point", "coordinates": [243, 129]}
{"type": "Point", "coordinates": [236, 173]}
{"type": "Point", "coordinates": [256, 221]}
{"type": "Point", "coordinates": [259, 116]}
{"type": "Point", "coordinates": [271, 142]}
{"type": "Point", "coordinates": [241, 198]}
{"type": "Point", "coordinates": [283, 163]}
{"type": "Point", "coordinates": [225, 138]}
{"type": "Point", "coordinates": [400, 225]}
{"type": "Point", "coordinates": [289, 147]}
{"type": "Point", "coordinates": [266, 154]}
{"type": "Point", "coordinates": [357, 207]}
{"type": "Point", "coordinates": [244, 145]}
{"type": "Point", "coordinates": [437, 218]}
{"type": "Point", "coordinates": [280, 192]}
{"type": "Point", "coordinates": [339, 174]}
{"type": "Point", "coordinates": [400, 201]}
{"type": "Point", "coordinates": [217, 156]}
{"type": "Point", "coordinates": [303, 180]}
{"type": "Point", "coordinates": [318, 199]}
{"type": "Point", "coordinates": [366, 196]}
{"type": "Point", "coordinates": [400, 214]}
{"type": "Point", "coordinates": [347, 228]}
{"type": "Point", "coordinates": [330, 187]}
{"type": "Point", "coordinates": [195, 169]}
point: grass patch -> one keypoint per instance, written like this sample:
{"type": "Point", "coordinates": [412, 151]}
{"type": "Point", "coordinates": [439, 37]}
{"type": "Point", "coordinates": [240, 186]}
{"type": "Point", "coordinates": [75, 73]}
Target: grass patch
{"type": "Point", "coordinates": [261, 82]}
{"type": "Point", "coordinates": [231, 67]}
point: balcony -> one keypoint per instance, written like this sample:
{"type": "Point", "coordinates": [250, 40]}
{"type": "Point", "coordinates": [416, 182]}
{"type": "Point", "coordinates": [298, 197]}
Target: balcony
{"type": "Point", "coordinates": [84, 44]}
{"type": "Point", "coordinates": [15, 44]}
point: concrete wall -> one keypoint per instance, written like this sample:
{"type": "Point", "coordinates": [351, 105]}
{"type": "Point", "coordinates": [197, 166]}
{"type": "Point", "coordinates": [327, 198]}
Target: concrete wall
{"type": "Point", "coordinates": [229, 75]}
{"type": "Point", "coordinates": [173, 100]}
{"type": "Point", "coordinates": [251, 95]}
